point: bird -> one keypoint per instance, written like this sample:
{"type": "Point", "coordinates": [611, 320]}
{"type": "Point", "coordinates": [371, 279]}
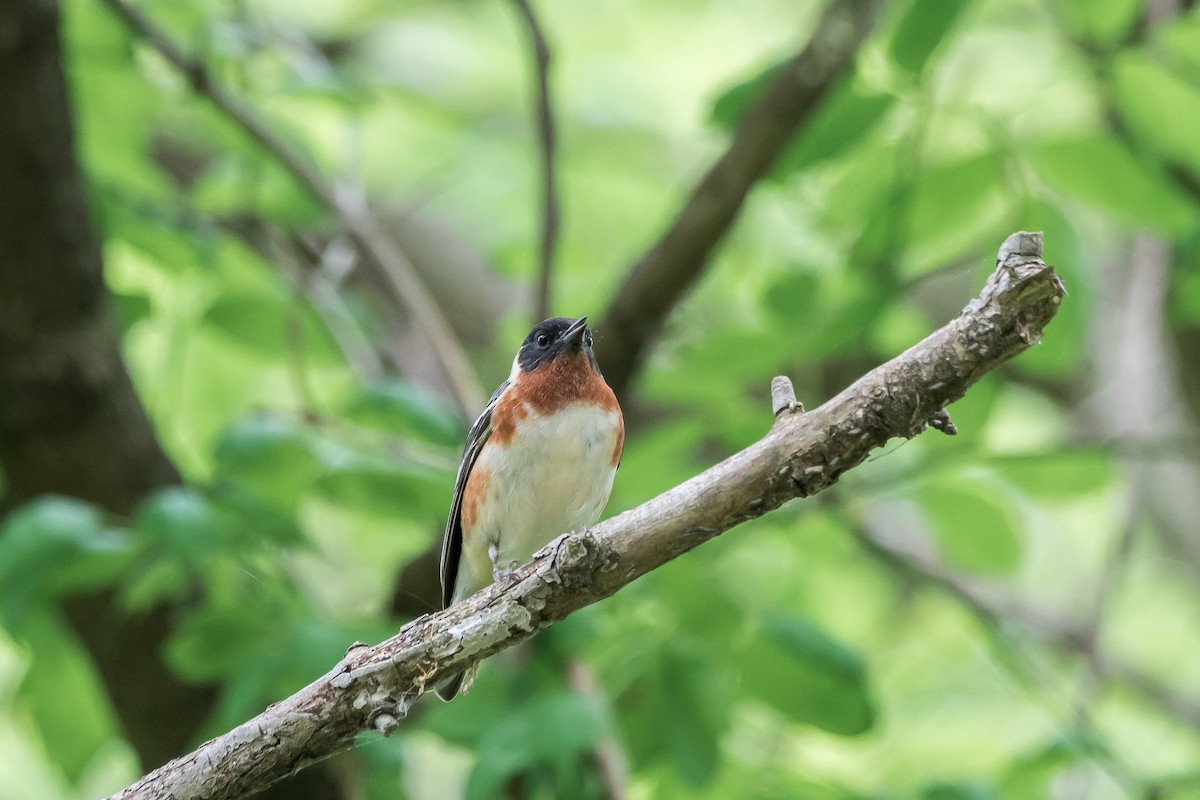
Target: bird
{"type": "Point", "coordinates": [539, 462]}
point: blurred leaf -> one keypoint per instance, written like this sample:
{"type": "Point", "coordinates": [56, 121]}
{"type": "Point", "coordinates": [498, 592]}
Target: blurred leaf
{"type": "Point", "coordinates": [403, 407]}
{"type": "Point", "coordinates": [958, 791]}
{"type": "Point", "coordinates": [272, 327]}
{"type": "Point", "coordinates": [182, 520]}
{"type": "Point", "coordinates": [838, 312]}
{"type": "Point", "coordinates": [468, 719]}
{"type": "Point", "coordinates": [1102, 21]}
{"type": "Point", "coordinates": [678, 711]}
{"type": "Point", "coordinates": [847, 113]}
{"type": "Point", "coordinates": [975, 526]}
{"type": "Point", "coordinates": [955, 207]}
{"type": "Point", "coordinates": [731, 106]}
{"type": "Point", "coordinates": [388, 490]}
{"type": "Point", "coordinates": [1161, 107]}
{"type": "Point", "coordinates": [1101, 172]}
{"type": "Point", "coordinates": [803, 673]}
{"type": "Point", "coordinates": [546, 736]}
{"type": "Point", "coordinates": [1059, 473]}
{"type": "Point", "coordinates": [1185, 299]}
{"type": "Point", "coordinates": [1032, 774]}
{"type": "Point", "coordinates": [268, 457]}
{"type": "Point", "coordinates": [55, 545]}
{"type": "Point", "coordinates": [130, 309]}
{"type": "Point", "coordinates": [63, 695]}
{"type": "Point", "coordinates": [693, 716]}
{"type": "Point", "coordinates": [921, 30]}
{"type": "Point", "coordinates": [239, 185]}
{"type": "Point", "coordinates": [1182, 35]}
{"type": "Point", "coordinates": [219, 637]}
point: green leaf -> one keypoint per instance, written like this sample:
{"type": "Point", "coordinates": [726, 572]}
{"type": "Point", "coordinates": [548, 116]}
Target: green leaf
{"type": "Point", "coordinates": [975, 527]}
{"type": "Point", "coordinates": [240, 184]}
{"type": "Point", "coordinates": [958, 791]}
{"type": "Point", "coordinates": [268, 457]}
{"type": "Point", "coordinates": [545, 736]}
{"type": "Point", "coordinates": [1101, 21]}
{"type": "Point", "coordinates": [55, 545]}
{"type": "Point", "coordinates": [731, 106]}
{"type": "Point", "coordinates": [678, 711]}
{"type": "Point", "coordinates": [216, 639]}
{"type": "Point", "coordinates": [63, 694]}
{"type": "Point", "coordinates": [921, 30]}
{"type": "Point", "coordinates": [402, 407]}
{"type": "Point", "coordinates": [272, 327]}
{"type": "Point", "coordinates": [797, 668]}
{"type": "Point", "coordinates": [839, 310]}
{"type": "Point", "coordinates": [1060, 473]}
{"type": "Point", "coordinates": [1161, 107]}
{"type": "Point", "coordinates": [1101, 172]}
{"type": "Point", "coordinates": [954, 208]}
{"type": "Point", "coordinates": [848, 113]}
{"type": "Point", "coordinates": [694, 716]}
{"type": "Point", "coordinates": [1182, 35]}
{"type": "Point", "coordinates": [182, 519]}
{"type": "Point", "coordinates": [388, 490]}
{"type": "Point", "coordinates": [1031, 775]}
{"type": "Point", "coordinates": [130, 309]}
{"type": "Point", "coordinates": [845, 116]}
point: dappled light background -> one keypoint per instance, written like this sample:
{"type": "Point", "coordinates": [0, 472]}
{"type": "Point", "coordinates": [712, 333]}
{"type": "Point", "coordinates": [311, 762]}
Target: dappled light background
{"type": "Point", "coordinates": [1010, 613]}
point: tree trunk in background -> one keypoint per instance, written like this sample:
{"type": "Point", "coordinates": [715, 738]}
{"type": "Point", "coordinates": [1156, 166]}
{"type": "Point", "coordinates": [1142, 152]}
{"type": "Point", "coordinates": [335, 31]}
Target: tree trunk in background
{"type": "Point", "coordinates": [70, 421]}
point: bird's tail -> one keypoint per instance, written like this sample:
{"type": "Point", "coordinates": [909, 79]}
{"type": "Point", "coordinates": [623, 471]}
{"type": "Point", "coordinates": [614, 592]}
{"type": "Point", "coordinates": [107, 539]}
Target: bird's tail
{"type": "Point", "coordinates": [448, 689]}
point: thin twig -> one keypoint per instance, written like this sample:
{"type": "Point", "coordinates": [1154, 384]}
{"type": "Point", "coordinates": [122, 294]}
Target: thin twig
{"type": "Point", "coordinates": [544, 117]}
{"type": "Point", "coordinates": [393, 268]}
{"type": "Point", "coordinates": [1107, 586]}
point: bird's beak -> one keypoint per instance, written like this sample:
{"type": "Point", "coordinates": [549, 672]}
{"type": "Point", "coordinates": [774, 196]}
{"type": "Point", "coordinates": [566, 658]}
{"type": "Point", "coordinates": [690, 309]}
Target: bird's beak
{"type": "Point", "coordinates": [574, 334]}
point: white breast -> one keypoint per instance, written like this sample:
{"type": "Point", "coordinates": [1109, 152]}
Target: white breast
{"type": "Point", "coordinates": [558, 472]}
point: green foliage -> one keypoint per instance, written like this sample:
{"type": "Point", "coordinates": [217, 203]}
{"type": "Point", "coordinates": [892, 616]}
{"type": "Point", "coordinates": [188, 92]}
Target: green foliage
{"type": "Point", "coordinates": [62, 694]}
{"type": "Point", "coordinates": [844, 116]}
{"type": "Point", "coordinates": [799, 670]}
{"type": "Point", "coordinates": [785, 660]}
{"type": "Point", "coordinates": [54, 546]}
{"type": "Point", "coordinates": [974, 524]}
{"type": "Point", "coordinates": [921, 29]}
{"type": "Point", "coordinates": [1101, 171]}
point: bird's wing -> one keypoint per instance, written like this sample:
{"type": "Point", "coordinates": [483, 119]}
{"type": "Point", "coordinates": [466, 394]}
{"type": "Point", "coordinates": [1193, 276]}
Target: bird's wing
{"type": "Point", "coordinates": [452, 541]}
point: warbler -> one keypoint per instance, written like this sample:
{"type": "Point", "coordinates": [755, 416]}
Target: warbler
{"type": "Point", "coordinates": [539, 462]}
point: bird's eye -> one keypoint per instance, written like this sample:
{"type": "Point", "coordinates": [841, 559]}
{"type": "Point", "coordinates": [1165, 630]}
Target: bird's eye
{"type": "Point", "coordinates": [587, 338]}
{"type": "Point", "coordinates": [542, 340]}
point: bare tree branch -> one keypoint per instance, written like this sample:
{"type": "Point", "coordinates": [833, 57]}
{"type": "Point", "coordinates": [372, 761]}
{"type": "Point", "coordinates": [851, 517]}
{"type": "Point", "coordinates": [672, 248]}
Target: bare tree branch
{"type": "Point", "coordinates": [663, 275]}
{"type": "Point", "coordinates": [396, 273]}
{"type": "Point", "coordinates": [546, 140]}
{"type": "Point", "coordinates": [804, 453]}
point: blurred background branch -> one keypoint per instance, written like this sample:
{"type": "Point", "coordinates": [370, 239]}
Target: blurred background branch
{"type": "Point", "coordinates": [544, 124]}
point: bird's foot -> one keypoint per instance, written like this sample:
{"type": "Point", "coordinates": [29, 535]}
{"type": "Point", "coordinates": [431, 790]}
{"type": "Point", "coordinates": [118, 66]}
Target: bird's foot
{"type": "Point", "coordinates": [504, 575]}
